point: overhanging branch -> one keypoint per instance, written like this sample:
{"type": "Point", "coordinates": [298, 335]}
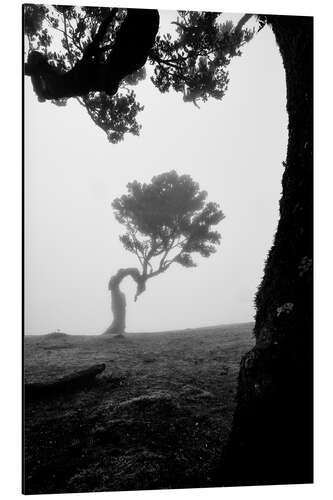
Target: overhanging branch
{"type": "Point", "coordinates": [134, 40]}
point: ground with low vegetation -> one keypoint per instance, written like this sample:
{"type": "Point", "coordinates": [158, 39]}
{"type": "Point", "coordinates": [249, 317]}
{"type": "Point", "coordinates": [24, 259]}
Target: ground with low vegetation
{"type": "Point", "coordinates": [157, 417]}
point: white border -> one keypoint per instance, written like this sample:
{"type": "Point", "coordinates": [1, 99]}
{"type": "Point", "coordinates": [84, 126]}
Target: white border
{"type": "Point", "coordinates": [10, 258]}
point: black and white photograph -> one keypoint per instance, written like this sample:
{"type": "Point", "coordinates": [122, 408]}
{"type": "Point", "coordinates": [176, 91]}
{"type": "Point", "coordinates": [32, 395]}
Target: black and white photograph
{"type": "Point", "coordinates": [168, 249]}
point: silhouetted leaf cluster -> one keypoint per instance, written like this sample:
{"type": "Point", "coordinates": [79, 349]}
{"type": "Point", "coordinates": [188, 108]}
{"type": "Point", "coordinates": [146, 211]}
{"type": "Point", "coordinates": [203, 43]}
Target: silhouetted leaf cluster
{"type": "Point", "coordinates": [168, 219]}
{"type": "Point", "coordinates": [119, 111]}
{"type": "Point", "coordinates": [63, 33]}
{"type": "Point", "coordinates": [192, 61]}
{"type": "Point", "coordinates": [195, 61]}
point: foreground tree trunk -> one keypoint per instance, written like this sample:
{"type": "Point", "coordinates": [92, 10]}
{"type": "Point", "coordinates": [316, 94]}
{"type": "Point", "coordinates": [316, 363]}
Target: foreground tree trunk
{"type": "Point", "coordinates": [272, 436]}
{"type": "Point", "coordinates": [118, 299]}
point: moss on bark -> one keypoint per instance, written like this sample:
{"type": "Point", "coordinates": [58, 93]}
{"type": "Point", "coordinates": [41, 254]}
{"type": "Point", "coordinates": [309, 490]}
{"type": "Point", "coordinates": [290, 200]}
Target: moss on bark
{"type": "Point", "coordinates": [272, 435]}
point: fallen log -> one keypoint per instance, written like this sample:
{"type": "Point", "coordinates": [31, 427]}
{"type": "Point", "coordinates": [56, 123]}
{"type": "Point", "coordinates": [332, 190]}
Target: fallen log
{"type": "Point", "coordinates": [72, 382]}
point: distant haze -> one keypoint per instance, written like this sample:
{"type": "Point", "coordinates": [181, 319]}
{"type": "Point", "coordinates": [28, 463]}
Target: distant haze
{"type": "Point", "coordinates": [234, 148]}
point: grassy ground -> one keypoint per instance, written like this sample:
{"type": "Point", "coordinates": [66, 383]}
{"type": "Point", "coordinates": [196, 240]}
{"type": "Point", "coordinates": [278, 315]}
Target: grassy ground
{"type": "Point", "coordinates": [158, 417]}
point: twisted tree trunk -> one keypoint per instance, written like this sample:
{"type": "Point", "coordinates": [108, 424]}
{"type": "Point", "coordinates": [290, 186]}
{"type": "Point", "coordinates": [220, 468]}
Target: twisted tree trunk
{"type": "Point", "coordinates": [272, 435]}
{"type": "Point", "coordinates": [118, 299]}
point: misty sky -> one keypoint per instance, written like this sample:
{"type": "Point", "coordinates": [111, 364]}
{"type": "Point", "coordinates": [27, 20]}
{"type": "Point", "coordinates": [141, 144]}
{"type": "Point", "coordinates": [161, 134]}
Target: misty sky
{"type": "Point", "coordinates": [234, 148]}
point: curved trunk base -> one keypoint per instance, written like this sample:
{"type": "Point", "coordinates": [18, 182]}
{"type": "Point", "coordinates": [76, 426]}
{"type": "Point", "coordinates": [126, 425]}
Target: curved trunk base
{"type": "Point", "coordinates": [113, 331]}
{"type": "Point", "coordinates": [118, 306]}
{"type": "Point", "coordinates": [118, 299]}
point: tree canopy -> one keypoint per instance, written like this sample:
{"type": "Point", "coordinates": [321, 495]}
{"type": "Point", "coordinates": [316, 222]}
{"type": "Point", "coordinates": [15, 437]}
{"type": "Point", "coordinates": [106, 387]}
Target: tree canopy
{"type": "Point", "coordinates": [97, 54]}
{"type": "Point", "coordinates": [195, 61]}
{"type": "Point", "coordinates": [167, 221]}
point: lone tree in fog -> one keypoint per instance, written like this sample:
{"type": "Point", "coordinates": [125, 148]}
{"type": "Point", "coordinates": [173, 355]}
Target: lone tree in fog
{"type": "Point", "coordinates": [166, 222]}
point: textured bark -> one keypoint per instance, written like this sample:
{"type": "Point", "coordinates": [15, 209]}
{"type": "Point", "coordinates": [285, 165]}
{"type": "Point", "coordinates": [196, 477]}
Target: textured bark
{"type": "Point", "coordinates": [118, 299]}
{"type": "Point", "coordinates": [272, 436]}
{"type": "Point", "coordinates": [130, 51]}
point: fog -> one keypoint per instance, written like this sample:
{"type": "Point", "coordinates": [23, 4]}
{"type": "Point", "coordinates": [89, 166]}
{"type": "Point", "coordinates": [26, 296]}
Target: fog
{"type": "Point", "coordinates": [234, 148]}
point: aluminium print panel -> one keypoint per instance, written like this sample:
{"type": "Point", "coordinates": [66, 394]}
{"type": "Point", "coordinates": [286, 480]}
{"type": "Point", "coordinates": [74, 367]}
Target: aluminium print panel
{"type": "Point", "coordinates": [168, 297]}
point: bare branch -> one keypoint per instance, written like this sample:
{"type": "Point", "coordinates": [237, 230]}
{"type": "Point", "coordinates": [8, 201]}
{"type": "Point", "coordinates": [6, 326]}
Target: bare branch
{"type": "Point", "coordinates": [80, 101]}
{"type": "Point", "coordinates": [93, 47]}
{"type": "Point", "coordinates": [76, 40]}
{"type": "Point", "coordinates": [66, 38]}
{"type": "Point", "coordinates": [58, 29]}
{"type": "Point", "coordinates": [179, 25]}
{"type": "Point", "coordinates": [244, 19]}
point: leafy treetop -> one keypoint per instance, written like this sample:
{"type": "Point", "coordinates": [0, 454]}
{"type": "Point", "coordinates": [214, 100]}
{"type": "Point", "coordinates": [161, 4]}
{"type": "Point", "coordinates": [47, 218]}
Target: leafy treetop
{"type": "Point", "coordinates": [167, 221]}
